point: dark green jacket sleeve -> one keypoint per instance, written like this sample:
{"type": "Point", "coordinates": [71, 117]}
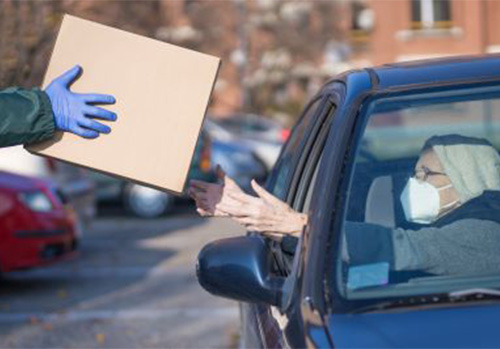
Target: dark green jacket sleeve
{"type": "Point", "coordinates": [25, 116]}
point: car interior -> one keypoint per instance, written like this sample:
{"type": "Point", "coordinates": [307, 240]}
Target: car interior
{"type": "Point", "coordinates": [380, 174]}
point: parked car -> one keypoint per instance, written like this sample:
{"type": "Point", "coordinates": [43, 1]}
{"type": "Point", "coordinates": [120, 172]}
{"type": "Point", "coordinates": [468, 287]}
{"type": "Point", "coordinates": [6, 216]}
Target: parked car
{"type": "Point", "coordinates": [345, 162]}
{"type": "Point", "coordinates": [74, 182]}
{"type": "Point", "coordinates": [256, 127]}
{"type": "Point", "coordinates": [146, 202]}
{"type": "Point", "coordinates": [262, 136]}
{"type": "Point", "coordinates": [237, 159]}
{"type": "Point", "coordinates": [37, 225]}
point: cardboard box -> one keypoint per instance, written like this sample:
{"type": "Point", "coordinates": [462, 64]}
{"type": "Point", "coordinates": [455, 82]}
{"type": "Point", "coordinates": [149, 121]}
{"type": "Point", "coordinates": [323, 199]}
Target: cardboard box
{"type": "Point", "coordinates": [162, 94]}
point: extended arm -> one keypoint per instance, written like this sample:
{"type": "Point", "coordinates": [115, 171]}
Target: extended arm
{"type": "Point", "coordinates": [28, 116]}
{"type": "Point", "coordinates": [264, 213]}
{"type": "Point", "coordinates": [25, 116]}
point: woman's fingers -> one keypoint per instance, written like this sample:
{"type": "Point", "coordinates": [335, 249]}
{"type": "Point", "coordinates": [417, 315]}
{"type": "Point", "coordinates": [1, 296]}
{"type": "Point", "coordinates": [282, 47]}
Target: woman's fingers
{"type": "Point", "coordinates": [246, 220]}
{"type": "Point", "coordinates": [273, 234]}
{"type": "Point", "coordinates": [230, 184]}
{"type": "Point", "coordinates": [256, 228]}
{"type": "Point", "coordinates": [236, 197]}
{"type": "Point", "coordinates": [232, 210]}
{"type": "Point", "coordinates": [241, 208]}
{"type": "Point", "coordinates": [203, 212]}
{"type": "Point", "coordinates": [219, 172]}
{"type": "Point", "coordinates": [219, 213]}
{"type": "Point", "coordinates": [199, 198]}
{"type": "Point", "coordinates": [196, 191]}
{"type": "Point", "coordinates": [195, 194]}
{"type": "Point", "coordinates": [242, 197]}
{"type": "Point", "coordinates": [264, 194]}
{"type": "Point", "coordinates": [204, 205]}
{"type": "Point", "coordinates": [194, 183]}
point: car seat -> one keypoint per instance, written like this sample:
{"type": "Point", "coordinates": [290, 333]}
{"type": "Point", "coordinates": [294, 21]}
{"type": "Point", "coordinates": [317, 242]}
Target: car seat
{"type": "Point", "coordinates": [379, 207]}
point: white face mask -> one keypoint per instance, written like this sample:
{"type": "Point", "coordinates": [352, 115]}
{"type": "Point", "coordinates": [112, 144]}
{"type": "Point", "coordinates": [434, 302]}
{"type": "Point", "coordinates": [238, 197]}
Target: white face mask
{"type": "Point", "coordinates": [421, 202]}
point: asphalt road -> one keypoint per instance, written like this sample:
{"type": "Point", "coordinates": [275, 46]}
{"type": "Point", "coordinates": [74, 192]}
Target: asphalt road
{"type": "Point", "coordinates": [132, 285]}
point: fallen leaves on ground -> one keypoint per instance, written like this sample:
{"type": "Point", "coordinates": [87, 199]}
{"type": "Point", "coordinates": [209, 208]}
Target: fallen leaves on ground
{"type": "Point", "coordinates": [100, 338]}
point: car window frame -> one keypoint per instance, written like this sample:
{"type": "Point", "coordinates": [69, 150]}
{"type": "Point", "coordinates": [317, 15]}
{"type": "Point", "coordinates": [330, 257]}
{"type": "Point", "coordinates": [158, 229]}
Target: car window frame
{"type": "Point", "coordinates": [305, 182]}
{"type": "Point", "coordinates": [271, 181]}
{"type": "Point", "coordinates": [307, 185]}
{"type": "Point", "coordinates": [312, 159]}
{"type": "Point", "coordinates": [276, 247]}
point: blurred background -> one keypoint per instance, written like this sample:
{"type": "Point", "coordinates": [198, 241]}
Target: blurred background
{"type": "Point", "coordinates": [92, 261]}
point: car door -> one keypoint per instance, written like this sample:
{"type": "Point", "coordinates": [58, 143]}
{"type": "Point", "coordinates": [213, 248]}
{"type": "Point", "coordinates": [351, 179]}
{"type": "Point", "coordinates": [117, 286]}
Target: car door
{"type": "Point", "coordinates": [393, 280]}
{"type": "Point", "coordinates": [263, 325]}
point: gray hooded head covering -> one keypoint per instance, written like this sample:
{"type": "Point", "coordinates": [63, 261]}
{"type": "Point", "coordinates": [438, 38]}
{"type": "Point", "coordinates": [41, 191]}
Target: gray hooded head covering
{"type": "Point", "coordinates": [472, 164]}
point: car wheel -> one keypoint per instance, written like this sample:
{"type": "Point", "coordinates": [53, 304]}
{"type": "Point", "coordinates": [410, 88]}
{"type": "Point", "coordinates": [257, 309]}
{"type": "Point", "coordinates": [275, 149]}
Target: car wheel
{"type": "Point", "coordinates": [145, 202]}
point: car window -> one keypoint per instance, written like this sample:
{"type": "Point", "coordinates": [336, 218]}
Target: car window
{"type": "Point", "coordinates": [306, 175]}
{"type": "Point", "coordinates": [422, 213]}
{"type": "Point", "coordinates": [311, 158]}
{"type": "Point", "coordinates": [298, 147]}
{"type": "Point", "coordinates": [310, 188]}
{"type": "Point", "coordinates": [277, 183]}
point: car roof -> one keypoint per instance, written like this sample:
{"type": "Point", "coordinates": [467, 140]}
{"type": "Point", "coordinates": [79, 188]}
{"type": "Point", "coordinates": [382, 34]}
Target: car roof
{"type": "Point", "coordinates": [433, 71]}
{"type": "Point", "coordinates": [479, 68]}
{"type": "Point", "coordinates": [14, 182]}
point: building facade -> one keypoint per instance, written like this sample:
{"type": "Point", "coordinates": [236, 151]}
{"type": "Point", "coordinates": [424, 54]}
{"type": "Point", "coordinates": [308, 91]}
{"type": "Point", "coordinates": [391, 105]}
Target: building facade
{"type": "Point", "coordinates": [403, 30]}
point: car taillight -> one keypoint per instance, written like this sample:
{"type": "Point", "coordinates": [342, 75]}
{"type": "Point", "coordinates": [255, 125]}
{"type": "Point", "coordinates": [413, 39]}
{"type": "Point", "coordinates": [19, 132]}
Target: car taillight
{"type": "Point", "coordinates": [285, 133]}
{"type": "Point", "coordinates": [37, 201]}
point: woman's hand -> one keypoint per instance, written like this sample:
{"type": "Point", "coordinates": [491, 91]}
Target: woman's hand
{"type": "Point", "coordinates": [267, 214]}
{"type": "Point", "coordinates": [214, 199]}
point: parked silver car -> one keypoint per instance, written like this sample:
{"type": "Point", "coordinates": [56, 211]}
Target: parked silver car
{"type": "Point", "coordinates": [265, 141]}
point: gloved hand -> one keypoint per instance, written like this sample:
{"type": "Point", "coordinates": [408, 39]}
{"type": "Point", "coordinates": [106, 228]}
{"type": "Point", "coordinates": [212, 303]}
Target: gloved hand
{"type": "Point", "coordinates": [75, 112]}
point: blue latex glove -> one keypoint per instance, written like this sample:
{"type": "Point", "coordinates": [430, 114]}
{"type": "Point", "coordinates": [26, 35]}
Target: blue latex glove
{"type": "Point", "coordinates": [75, 112]}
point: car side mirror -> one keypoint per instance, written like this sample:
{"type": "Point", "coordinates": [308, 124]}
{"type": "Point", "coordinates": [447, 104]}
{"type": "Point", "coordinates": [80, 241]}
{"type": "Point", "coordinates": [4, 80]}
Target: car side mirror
{"type": "Point", "coordinates": [239, 268]}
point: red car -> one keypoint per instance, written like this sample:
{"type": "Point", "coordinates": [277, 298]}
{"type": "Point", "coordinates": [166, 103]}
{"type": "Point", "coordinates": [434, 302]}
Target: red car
{"type": "Point", "coordinates": [37, 227]}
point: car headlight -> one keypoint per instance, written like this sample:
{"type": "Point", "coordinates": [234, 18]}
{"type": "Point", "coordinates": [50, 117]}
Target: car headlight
{"type": "Point", "coordinates": [37, 201]}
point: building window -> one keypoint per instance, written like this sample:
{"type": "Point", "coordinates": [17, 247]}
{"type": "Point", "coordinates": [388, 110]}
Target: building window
{"type": "Point", "coordinates": [431, 14]}
{"type": "Point", "coordinates": [362, 21]}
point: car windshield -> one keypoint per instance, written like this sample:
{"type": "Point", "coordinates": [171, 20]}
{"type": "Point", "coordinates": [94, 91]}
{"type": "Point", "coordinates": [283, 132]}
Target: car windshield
{"type": "Point", "coordinates": [422, 213]}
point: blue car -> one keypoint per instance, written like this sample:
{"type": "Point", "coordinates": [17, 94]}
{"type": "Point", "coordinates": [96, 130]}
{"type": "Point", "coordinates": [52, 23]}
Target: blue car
{"type": "Point", "coordinates": [365, 272]}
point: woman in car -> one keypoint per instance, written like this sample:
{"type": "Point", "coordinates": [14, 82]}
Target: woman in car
{"type": "Point", "coordinates": [453, 196]}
